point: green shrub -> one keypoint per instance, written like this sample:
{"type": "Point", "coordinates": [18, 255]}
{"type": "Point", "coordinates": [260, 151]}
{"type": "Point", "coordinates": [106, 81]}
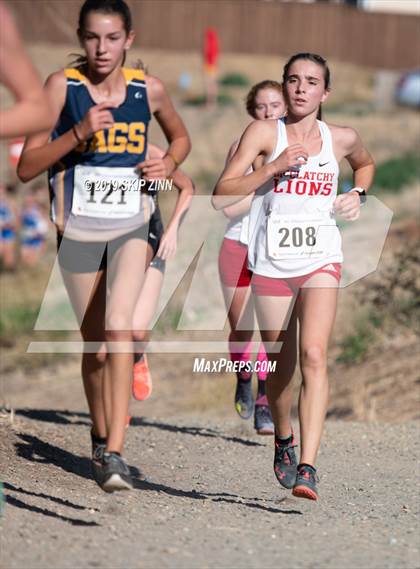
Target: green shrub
{"type": "Point", "coordinates": [376, 319]}
{"type": "Point", "coordinates": [234, 79]}
{"type": "Point", "coordinates": [392, 175]}
{"type": "Point", "coordinates": [17, 320]}
{"type": "Point", "coordinates": [396, 173]}
{"type": "Point", "coordinates": [354, 347]}
{"type": "Point", "coordinates": [223, 99]}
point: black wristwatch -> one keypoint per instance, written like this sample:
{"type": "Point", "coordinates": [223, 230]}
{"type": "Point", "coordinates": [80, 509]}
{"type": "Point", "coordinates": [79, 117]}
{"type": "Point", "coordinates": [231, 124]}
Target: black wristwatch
{"type": "Point", "coordinates": [362, 194]}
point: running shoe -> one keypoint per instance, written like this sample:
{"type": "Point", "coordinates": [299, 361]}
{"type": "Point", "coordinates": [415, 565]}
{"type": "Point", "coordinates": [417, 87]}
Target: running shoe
{"type": "Point", "coordinates": [306, 481]}
{"type": "Point", "coordinates": [244, 400]}
{"type": "Point", "coordinates": [263, 422]}
{"type": "Point", "coordinates": [115, 473]}
{"type": "Point", "coordinates": [98, 449]}
{"type": "Point", "coordinates": [142, 380]}
{"type": "Point", "coordinates": [285, 463]}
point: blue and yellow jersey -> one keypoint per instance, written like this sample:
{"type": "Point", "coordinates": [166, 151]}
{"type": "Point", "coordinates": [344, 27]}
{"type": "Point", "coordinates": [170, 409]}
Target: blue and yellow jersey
{"type": "Point", "coordinates": [7, 221]}
{"type": "Point", "coordinates": [33, 227]}
{"type": "Point", "coordinates": [121, 147]}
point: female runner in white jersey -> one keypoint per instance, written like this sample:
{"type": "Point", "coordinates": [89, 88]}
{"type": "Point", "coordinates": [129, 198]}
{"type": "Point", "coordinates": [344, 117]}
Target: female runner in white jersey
{"type": "Point", "coordinates": [295, 250]}
{"type": "Point", "coordinates": [98, 147]}
{"type": "Point", "coordinates": [264, 101]}
{"type": "Point", "coordinates": [162, 246]}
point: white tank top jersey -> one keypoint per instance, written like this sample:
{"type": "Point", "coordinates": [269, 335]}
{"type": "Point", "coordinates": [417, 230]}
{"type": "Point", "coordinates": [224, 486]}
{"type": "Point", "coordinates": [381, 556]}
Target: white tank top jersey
{"type": "Point", "coordinates": [237, 228]}
{"type": "Point", "coordinates": [292, 230]}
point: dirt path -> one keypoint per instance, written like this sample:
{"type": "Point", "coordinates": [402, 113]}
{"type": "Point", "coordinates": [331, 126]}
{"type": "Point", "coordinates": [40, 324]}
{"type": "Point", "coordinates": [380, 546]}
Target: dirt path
{"type": "Point", "coordinates": [205, 494]}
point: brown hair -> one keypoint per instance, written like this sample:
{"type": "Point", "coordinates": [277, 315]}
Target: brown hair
{"type": "Point", "coordinates": [315, 58]}
{"type": "Point", "coordinates": [118, 7]}
{"type": "Point", "coordinates": [253, 92]}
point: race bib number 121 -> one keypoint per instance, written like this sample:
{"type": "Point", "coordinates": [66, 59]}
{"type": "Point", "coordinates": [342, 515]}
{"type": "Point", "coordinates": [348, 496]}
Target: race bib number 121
{"type": "Point", "coordinates": [107, 193]}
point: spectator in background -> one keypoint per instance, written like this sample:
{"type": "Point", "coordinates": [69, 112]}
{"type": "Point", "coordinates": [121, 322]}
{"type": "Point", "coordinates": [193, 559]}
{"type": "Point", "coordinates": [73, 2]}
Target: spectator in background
{"type": "Point", "coordinates": [30, 113]}
{"type": "Point", "coordinates": [8, 226]}
{"type": "Point", "coordinates": [33, 227]}
{"type": "Point", "coordinates": [211, 56]}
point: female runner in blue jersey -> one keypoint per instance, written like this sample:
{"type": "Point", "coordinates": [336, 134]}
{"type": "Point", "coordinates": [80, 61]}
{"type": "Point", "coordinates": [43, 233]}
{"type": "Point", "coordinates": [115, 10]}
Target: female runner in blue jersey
{"type": "Point", "coordinates": [295, 250]}
{"type": "Point", "coordinates": [95, 157]}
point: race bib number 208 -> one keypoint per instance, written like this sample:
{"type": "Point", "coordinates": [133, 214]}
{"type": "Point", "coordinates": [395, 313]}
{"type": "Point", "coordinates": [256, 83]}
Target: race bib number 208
{"type": "Point", "coordinates": [293, 237]}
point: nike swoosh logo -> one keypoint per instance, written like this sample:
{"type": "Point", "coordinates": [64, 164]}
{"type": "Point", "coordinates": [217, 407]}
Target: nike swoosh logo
{"type": "Point", "coordinates": [324, 164]}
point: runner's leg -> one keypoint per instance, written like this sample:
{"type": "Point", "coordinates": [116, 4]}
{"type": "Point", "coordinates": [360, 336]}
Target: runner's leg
{"type": "Point", "coordinates": [147, 301]}
{"type": "Point", "coordinates": [87, 295]}
{"type": "Point", "coordinates": [273, 314]}
{"type": "Point", "coordinates": [143, 315]}
{"type": "Point", "coordinates": [317, 310]}
{"type": "Point", "coordinates": [241, 319]}
{"type": "Point", "coordinates": [125, 282]}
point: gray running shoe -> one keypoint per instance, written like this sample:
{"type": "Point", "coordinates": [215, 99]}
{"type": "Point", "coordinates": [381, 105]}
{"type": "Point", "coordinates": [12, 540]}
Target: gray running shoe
{"type": "Point", "coordinates": [115, 473]}
{"type": "Point", "coordinates": [285, 462]}
{"type": "Point", "coordinates": [244, 399]}
{"type": "Point", "coordinates": [306, 482]}
{"type": "Point", "coordinates": [98, 449]}
{"type": "Point", "coordinates": [263, 421]}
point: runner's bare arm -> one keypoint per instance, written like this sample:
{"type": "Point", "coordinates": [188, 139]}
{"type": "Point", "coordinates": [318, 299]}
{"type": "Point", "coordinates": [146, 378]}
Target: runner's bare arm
{"type": "Point", "coordinates": [173, 127]}
{"type": "Point", "coordinates": [361, 162]}
{"type": "Point", "coordinates": [232, 150]}
{"type": "Point", "coordinates": [258, 139]}
{"type": "Point", "coordinates": [182, 182]}
{"type": "Point", "coordinates": [348, 144]}
{"type": "Point", "coordinates": [30, 113]}
{"type": "Point", "coordinates": [168, 244]}
{"type": "Point", "coordinates": [38, 153]}
{"type": "Point", "coordinates": [241, 207]}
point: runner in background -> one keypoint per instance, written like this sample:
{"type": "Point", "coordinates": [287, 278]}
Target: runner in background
{"type": "Point", "coordinates": [8, 227]}
{"type": "Point", "coordinates": [162, 246]}
{"type": "Point", "coordinates": [33, 228]}
{"type": "Point", "coordinates": [295, 250]}
{"type": "Point", "coordinates": [30, 113]}
{"type": "Point", "coordinates": [264, 101]}
{"type": "Point", "coordinates": [211, 58]}
{"type": "Point", "coordinates": [98, 149]}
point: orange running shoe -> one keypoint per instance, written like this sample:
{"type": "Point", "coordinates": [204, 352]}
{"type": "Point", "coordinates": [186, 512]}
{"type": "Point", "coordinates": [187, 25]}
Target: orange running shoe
{"type": "Point", "coordinates": [142, 381]}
